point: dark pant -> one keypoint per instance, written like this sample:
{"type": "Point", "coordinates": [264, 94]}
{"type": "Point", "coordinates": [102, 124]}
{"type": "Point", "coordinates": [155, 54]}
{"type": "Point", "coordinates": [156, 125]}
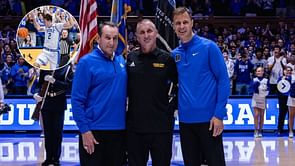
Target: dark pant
{"type": "Point", "coordinates": [20, 90]}
{"type": "Point", "coordinates": [53, 120]}
{"type": "Point", "coordinates": [197, 144]}
{"type": "Point", "coordinates": [109, 151]}
{"type": "Point", "coordinates": [283, 110]}
{"type": "Point", "coordinates": [273, 90]}
{"type": "Point", "coordinates": [158, 144]}
{"type": "Point", "coordinates": [64, 59]}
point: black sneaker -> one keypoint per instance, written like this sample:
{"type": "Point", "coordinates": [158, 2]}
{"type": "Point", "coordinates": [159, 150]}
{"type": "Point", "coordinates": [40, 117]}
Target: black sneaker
{"type": "Point", "coordinates": [56, 163]}
{"type": "Point", "coordinates": [279, 133]}
{"type": "Point", "coordinates": [47, 163]}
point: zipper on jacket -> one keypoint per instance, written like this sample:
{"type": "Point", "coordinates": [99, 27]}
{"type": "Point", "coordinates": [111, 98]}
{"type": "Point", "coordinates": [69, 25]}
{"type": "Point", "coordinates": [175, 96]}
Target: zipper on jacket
{"type": "Point", "coordinates": [114, 66]}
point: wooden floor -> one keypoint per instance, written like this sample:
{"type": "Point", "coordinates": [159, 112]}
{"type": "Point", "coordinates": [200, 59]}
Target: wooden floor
{"type": "Point", "coordinates": [240, 150]}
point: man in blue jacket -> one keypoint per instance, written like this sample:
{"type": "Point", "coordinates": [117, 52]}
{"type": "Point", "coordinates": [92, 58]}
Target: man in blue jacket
{"type": "Point", "coordinates": [99, 101]}
{"type": "Point", "coordinates": [204, 88]}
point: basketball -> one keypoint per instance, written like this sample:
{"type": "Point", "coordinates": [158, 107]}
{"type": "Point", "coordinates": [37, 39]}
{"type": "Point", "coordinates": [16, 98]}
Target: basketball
{"type": "Point", "coordinates": [22, 32]}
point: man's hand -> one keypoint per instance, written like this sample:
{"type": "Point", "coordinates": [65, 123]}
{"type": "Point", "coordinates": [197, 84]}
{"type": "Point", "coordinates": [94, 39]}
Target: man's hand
{"type": "Point", "coordinates": [1, 105]}
{"type": "Point", "coordinates": [49, 78]}
{"type": "Point", "coordinates": [37, 97]}
{"type": "Point", "coordinates": [217, 126]}
{"type": "Point", "coordinates": [20, 70]}
{"type": "Point", "coordinates": [88, 142]}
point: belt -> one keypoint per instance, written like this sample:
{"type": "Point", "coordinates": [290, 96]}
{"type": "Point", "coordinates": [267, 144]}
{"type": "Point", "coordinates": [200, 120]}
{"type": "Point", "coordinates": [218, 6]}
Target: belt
{"type": "Point", "coordinates": [51, 50]}
{"type": "Point", "coordinates": [53, 94]}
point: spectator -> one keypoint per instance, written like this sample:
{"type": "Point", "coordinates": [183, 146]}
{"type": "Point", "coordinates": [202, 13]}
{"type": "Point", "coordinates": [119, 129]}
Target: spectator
{"type": "Point", "coordinates": [236, 7]}
{"type": "Point", "coordinates": [267, 31]}
{"type": "Point", "coordinates": [276, 65]}
{"type": "Point", "coordinates": [242, 74]}
{"type": "Point", "coordinates": [28, 42]}
{"type": "Point", "coordinates": [20, 75]}
{"type": "Point", "coordinates": [251, 8]}
{"type": "Point", "coordinates": [291, 50]}
{"type": "Point", "coordinates": [259, 61]}
{"type": "Point", "coordinates": [40, 36]}
{"type": "Point", "coordinates": [281, 7]}
{"type": "Point", "coordinates": [266, 7]}
{"type": "Point", "coordinates": [230, 68]}
{"type": "Point", "coordinates": [30, 26]}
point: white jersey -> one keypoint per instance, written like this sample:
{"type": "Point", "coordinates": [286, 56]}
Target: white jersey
{"type": "Point", "coordinates": [52, 36]}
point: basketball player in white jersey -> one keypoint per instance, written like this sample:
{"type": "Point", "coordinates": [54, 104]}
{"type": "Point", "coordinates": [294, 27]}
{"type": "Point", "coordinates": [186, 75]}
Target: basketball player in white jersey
{"type": "Point", "coordinates": [50, 52]}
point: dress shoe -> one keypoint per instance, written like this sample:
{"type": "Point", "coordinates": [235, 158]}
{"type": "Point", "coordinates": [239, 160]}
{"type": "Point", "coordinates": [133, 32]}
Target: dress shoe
{"type": "Point", "coordinates": [47, 163]}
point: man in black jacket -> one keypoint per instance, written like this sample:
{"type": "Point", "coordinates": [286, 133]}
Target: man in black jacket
{"type": "Point", "coordinates": [150, 115]}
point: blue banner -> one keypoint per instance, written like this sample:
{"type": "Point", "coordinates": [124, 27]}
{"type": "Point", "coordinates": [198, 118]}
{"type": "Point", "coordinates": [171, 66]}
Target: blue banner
{"type": "Point", "coordinates": [239, 115]}
{"type": "Point", "coordinates": [120, 8]}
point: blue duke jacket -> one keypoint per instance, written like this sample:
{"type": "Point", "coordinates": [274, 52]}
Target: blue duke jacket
{"type": "Point", "coordinates": [204, 85]}
{"type": "Point", "coordinates": [99, 92]}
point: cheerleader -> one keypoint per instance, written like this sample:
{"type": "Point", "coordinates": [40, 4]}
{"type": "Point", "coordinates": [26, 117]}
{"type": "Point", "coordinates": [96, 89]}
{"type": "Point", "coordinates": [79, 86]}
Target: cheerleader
{"type": "Point", "coordinates": [291, 105]}
{"type": "Point", "coordinates": [260, 86]}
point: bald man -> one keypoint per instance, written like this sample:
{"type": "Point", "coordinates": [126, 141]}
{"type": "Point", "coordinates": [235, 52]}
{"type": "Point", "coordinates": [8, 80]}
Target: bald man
{"type": "Point", "coordinates": [150, 119]}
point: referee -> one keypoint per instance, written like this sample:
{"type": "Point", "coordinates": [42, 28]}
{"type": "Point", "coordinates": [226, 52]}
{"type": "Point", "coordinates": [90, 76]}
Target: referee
{"type": "Point", "coordinates": [150, 119]}
{"type": "Point", "coordinates": [65, 47]}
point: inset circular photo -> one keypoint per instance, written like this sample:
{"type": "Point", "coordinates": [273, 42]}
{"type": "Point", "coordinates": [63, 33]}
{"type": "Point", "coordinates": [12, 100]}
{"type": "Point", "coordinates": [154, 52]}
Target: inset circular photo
{"type": "Point", "coordinates": [48, 37]}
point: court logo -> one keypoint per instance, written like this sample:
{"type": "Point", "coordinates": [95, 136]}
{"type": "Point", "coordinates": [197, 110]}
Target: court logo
{"type": "Point", "coordinates": [132, 64]}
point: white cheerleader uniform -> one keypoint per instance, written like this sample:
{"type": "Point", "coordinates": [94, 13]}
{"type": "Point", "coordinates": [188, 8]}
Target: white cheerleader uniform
{"type": "Point", "coordinates": [291, 100]}
{"type": "Point", "coordinates": [259, 99]}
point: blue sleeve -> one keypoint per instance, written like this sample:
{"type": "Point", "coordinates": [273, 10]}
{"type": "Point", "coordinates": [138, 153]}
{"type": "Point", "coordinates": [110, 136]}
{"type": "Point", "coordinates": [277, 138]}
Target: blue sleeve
{"type": "Point", "coordinates": [292, 90]}
{"type": "Point", "coordinates": [251, 66]}
{"type": "Point", "coordinates": [13, 71]}
{"type": "Point", "coordinates": [236, 67]}
{"type": "Point", "coordinates": [219, 70]}
{"type": "Point", "coordinates": [289, 79]}
{"type": "Point", "coordinates": [26, 70]}
{"type": "Point", "coordinates": [5, 75]}
{"type": "Point", "coordinates": [255, 86]}
{"type": "Point", "coordinates": [280, 78]}
{"type": "Point", "coordinates": [81, 84]}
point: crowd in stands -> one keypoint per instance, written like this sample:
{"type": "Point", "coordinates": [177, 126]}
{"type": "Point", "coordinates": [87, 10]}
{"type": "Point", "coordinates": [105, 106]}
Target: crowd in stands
{"type": "Point", "coordinates": [244, 48]}
{"type": "Point", "coordinates": [198, 7]}
{"type": "Point", "coordinates": [36, 38]}
{"type": "Point", "coordinates": [247, 47]}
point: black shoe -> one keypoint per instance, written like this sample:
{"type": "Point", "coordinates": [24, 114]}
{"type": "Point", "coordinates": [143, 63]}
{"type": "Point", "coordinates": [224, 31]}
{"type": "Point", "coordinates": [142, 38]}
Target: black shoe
{"type": "Point", "coordinates": [47, 163]}
{"type": "Point", "coordinates": [56, 163]}
{"type": "Point", "coordinates": [279, 133]}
